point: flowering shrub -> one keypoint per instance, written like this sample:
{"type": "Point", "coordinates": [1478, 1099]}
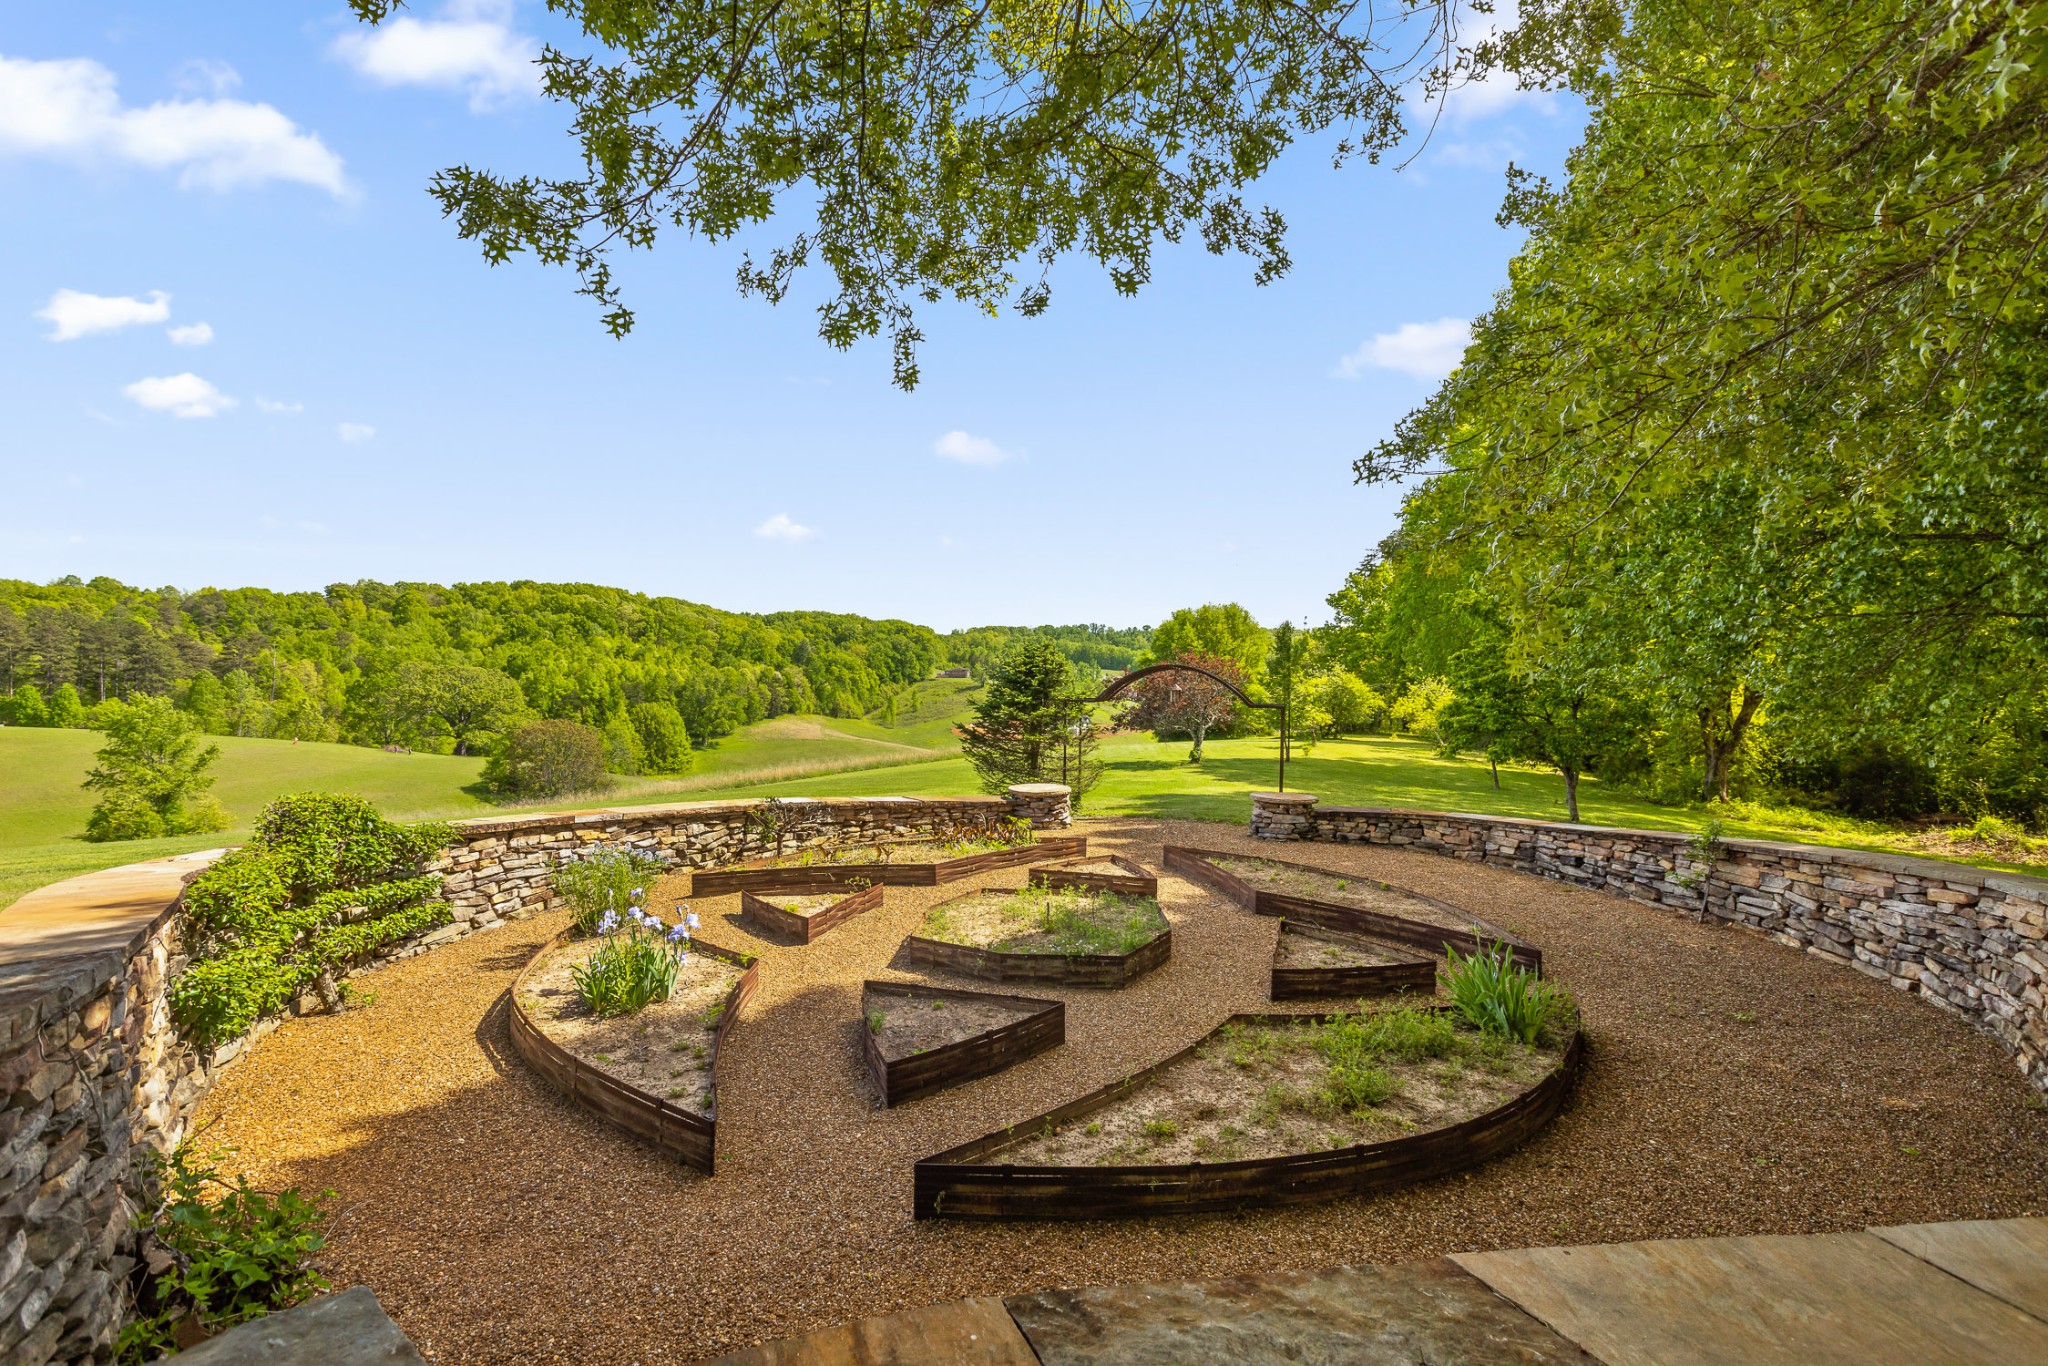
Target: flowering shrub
{"type": "Point", "coordinates": [636, 963]}
{"type": "Point", "coordinates": [614, 880]}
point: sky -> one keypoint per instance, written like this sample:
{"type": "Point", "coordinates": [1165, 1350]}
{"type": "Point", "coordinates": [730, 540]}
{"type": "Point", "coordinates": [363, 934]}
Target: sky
{"type": "Point", "coordinates": [240, 346]}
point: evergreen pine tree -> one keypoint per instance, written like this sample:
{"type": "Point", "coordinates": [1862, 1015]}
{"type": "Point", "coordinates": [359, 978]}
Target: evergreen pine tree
{"type": "Point", "coordinates": [1033, 724]}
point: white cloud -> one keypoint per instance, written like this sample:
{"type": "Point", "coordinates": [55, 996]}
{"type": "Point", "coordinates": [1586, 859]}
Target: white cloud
{"type": "Point", "coordinates": [203, 75]}
{"type": "Point", "coordinates": [969, 450]}
{"type": "Point", "coordinates": [470, 46]}
{"type": "Point", "coordinates": [1424, 350]}
{"type": "Point", "coordinates": [193, 334]}
{"type": "Point", "coordinates": [355, 432]}
{"type": "Point", "coordinates": [1471, 101]}
{"type": "Point", "coordinates": [184, 395]}
{"type": "Point", "coordinates": [271, 405]}
{"type": "Point", "coordinates": [781, 528]}
{"type": "Point", "coordinates": [72, 315]}
{"type": "Point", "coordinates": [69, 110]}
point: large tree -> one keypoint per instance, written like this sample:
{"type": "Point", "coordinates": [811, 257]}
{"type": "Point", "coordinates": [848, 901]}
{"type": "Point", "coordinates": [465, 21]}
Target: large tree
{"type": "Point", "coordinates": [1191, 701]}
{"type": "Point", "coordinates": [152, 776]}
{"type": "Point", "coordinates": [945, 151]}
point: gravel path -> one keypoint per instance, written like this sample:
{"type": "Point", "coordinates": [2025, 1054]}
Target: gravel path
{"type": "Point", "coordinates": [1734, 1086]}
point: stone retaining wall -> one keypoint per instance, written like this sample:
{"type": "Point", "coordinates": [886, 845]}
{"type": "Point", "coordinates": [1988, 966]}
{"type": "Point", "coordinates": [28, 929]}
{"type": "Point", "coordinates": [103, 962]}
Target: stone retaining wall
{"type": "Point", "coordinates": [1969, 940]}
{"type": "Point", "coordinates": [91, 1069]}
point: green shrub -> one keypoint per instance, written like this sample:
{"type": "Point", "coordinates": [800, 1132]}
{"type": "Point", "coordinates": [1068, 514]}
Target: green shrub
{"type": "Point", "coordinates": [324, 883]}
{"type": "Point", "coordinates": [1501, 998]}
{"type": "Point", "coordinates": [67, 708]}
{"type": "Point", "coordinates": [613, 880]}
{"type": "Point", "coordinates": [549, 759]}
{"type": "Point", "coordinates": [664, 737]}
{"type": "Point", "coordinates": [152, 774]}
{"type": "Point", "coordinates": [229, 1252]}
{"type": "Point", "coordinates": [630, 969]}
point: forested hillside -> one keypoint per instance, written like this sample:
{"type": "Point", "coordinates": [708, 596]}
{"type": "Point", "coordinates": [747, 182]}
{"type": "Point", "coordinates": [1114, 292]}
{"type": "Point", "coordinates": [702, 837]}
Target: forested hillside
{"type": "Point", "coordinates": [450, 668]}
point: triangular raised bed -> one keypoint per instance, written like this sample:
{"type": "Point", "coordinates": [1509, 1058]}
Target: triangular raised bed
{"type": "Point", "coordinates": [803, 915]}
{"type": "Point", "coordinates": [1000, 1030]}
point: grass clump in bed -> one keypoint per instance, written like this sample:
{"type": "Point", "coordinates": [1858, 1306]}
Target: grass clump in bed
{"type": "Point", "coordinates": [1051, 920]}
{"type": "Point", "coordinates": [1500, 998]}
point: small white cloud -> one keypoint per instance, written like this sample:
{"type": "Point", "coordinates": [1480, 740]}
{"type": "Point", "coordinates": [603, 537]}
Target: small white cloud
{"type": "Point", "coordinates": [204, 76]}
{"type": "Point", "coordinates": [193, 334]}
{"type": "Point", "coordinates": [355, 432]}
{"type": "Point", "coordinates": [271, 405]}
{"type": "Point", "coordinates": [1424, 350]}
{"type": "Point", "coordinates": [70, 110]}
{"type": "Point", "coordinates": [781, 528]}
{"type": "Point", "coordinates": [72, 315]}
{"type": "Point", "coordinates": [1470, 101]}
{"type": "Point", "coordinates": [969, 450]}
{"type": "Point", "coordinates": [184, 395]}
{"type": "Point", "coordinates": [470, 46]}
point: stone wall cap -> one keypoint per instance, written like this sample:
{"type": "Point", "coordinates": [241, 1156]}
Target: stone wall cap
{"type": "Point", "coordinates": [657, 812]}
{"type": "Point", "coordinates": [1041, 789]}
{"type": "Point", "coordinates": [1285, 798]}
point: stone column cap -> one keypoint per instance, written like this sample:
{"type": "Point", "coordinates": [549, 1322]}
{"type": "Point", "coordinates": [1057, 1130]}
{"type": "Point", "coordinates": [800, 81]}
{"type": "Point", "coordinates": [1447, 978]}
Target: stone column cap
{"type": "Point", "coordinates": [1286, 798]}
{"type": "Point", "coordinates": [1041, 789]}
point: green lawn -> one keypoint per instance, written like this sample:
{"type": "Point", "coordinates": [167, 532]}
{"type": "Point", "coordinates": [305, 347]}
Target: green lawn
{"type": "Point", "coordinates": [43, 810]}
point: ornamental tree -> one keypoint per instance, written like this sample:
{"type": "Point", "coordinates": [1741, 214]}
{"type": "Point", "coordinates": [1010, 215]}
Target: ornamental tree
{"type": "Point", "coordinates": [1184, 702]}
{"type": "Point", "coordinates": [152, 776]}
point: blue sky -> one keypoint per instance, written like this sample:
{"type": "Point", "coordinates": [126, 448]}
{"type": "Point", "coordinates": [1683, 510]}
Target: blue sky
{"type": "Point", "coordinates": [241, 347]}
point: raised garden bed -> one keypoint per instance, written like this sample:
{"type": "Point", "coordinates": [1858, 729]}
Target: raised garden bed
{"type": "Point", "coordinates": [1054, 936]}
{"type": "Point", "coordinates": [803, 916]}
{"type": "Point", "coordinates": [653, 1073]}
{"type": "Point", "coordinates": [921, 1039]}
{"type": "Point", "coordinates": [901, 863]}
{"type": "Point", "coordinates": [1310, 961]}
{"type": "Point", "coordinates": [1102, 873]}
{"type": "Point", "coordinates": [1186, 1121]}
{"type": "Point", "coordinates": [1347, 902]}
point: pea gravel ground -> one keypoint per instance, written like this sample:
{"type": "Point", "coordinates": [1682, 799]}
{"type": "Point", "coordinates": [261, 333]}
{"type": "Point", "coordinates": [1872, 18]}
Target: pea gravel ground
{"type": "Point", "coordinates": [1735, 1086]}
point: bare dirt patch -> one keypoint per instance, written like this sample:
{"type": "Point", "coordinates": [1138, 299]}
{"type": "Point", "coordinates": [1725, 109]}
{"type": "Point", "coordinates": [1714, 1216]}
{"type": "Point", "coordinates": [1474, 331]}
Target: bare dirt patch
{"type": "Point", "coordinates": [911, 1024]}
{"type": "Point", "coordinates": [1272, 1090]}
{"type": "Point", "coordinates": [803, 905]}
{"type": "Point", "coordinates": [1318, 948]}
{"type": "Point", "coordinates": [1366, 893]}
{"type": "Point", "coordinates": [664, 1050]}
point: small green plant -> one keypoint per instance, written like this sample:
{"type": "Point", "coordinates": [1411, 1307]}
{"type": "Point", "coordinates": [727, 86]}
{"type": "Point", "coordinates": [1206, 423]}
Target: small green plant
{"type": "Point", "coordinates": [876, 1019]}
{"type": "Point", "coordinates": [1094, 1127]}
{"type": "Point", "coordinates": [218, 1251]}
{"type": "Point", "coordinates": [614, 880]}
{"type": "Point", "coordinates": [1354, 1088]}
{"type": "Point", "coordinates": [1159, 1130]}
{"type": "Point", "coordinates": [1498, 997]}
{"type": "Point", "coordinates": [632, 968]}
{"type": "Point", "coordinates": [1702, 850]}
{"type": "Point", "coordinates": [355, 996]}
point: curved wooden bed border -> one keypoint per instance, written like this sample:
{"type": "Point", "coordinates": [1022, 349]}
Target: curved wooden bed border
{"type": "Point", "coordinates": [1360, 979]}
{"type": "Point", "coordinates": [1045, 969]}
{"type": "Point", "coordinates": [960, 1183]}
{"type": "Point", "coordinates": [1418, 934]}
{"type": "Point", "coordinates": [685, 1135]}
{"type": "Point", "coordinates": [805, 929]}
{"type": "Point", "coordinates": [905, 1079]}
{"type": "Point", "coordinates": [766, 874]}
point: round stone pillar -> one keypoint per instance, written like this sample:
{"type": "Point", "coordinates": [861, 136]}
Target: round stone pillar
{"type": "Point", "coordinates": [1284, 815]}
{"type": "Point", "coordinates": [1048, 806]}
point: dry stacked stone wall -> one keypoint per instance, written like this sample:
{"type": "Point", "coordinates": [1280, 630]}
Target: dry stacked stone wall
{"type": "Point", "coordinates": [91, 1070]}
{"type": "Point", "coordinates": [1969, 940]}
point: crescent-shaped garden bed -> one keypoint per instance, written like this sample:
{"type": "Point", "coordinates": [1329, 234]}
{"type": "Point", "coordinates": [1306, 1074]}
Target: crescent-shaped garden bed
{"type": "Point", "coordinates": [921, 1039]}
{"type": "Point", "coordinates": [985, 1178]}
{"type": "Point", "coordinates": [1345, 902]}
{"type": "Point", "coordinates": [804, 915]}
{"type": "Point", "coordinates": [821, 871]}
{"type": "Point", "coordinates": [1101, 873]}
{"type": "Point", "coordinates": [1093, 939]}
{"type": "Point", "coordinates": [684, 1126]}
{"type": "Point", "coordinates": [1310, 961]}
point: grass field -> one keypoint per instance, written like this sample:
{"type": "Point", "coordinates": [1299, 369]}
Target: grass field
{"type": "Point", "coordinates": [43, 810]}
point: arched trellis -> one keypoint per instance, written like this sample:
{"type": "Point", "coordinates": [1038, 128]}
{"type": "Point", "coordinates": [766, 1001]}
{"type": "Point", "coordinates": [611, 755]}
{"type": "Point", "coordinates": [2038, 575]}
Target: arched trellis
{"type": "Point", "coordinates": [1109, 694]}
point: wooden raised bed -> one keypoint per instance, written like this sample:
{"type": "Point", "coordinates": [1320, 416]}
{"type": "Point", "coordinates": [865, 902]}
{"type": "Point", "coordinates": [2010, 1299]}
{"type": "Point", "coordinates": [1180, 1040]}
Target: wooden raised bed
{"type": "Point", "coordinates": [1358, 979]}
{"type": "Point", "coordinates": [768, 874]}
{"type": "Point", "coordinates": [805, 928]}
{"type": "Point", "coordinates": [1112, 873]}
{"type": "Point", "coordinates": [962, 1183]}
{"type": "Point", "coordinates": [687, 1136]}
{"type": "Point", "coordinates": [1044, 969]}
{"type": "Point", "coordinates": [1415, 934]}
{"type": "Point", "coordinates": [978, 1055]}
